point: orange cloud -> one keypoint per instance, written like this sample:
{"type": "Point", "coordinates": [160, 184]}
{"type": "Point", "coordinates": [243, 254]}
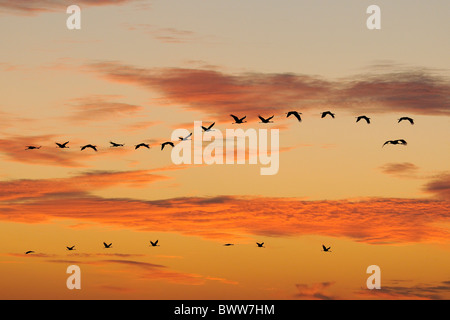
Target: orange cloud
{"type": "Point", "coordinates": [13, 147]}
{"type": "Point", "coordinates": [315, 291]}
{"type": "Point", "coordinates": [225, 217]}
{"type": "Point", "coordinates": [417, 292]}
{"type": "Point", "coordinates": [217, 93]}
{"type": "Point", "coordinates": [60, 189]}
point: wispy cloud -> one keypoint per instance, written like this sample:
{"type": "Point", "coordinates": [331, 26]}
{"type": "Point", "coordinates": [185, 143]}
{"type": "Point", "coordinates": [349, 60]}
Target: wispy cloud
{"type": "Point", "coordinates": [98, 108]}
{"type": "Point", "coordinates": [419, 292]}
{"type": "Point", "coordinates": [439, 186]}
{"type": "Point", "coordinates": [401, 170]}
{"type": "Point", "coordinates": [410, 220]}
{"type": "Point", "coordinates": [315, 291]}
{"type": "Point", "coordinates": [167, 35]}
{"type": "Point", "coordinates": [217, 93]}
{"type": "Point", "coordinates": [32, 7]}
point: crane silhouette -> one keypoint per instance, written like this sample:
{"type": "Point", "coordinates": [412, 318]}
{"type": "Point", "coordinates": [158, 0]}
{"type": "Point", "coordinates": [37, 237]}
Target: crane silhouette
{"type": "Point", "coordinates": [295, 114]}
{"type": "Point", "coordinates": [260, 245]}
{"type": "Point", "coordinates": [325, 249]}
{"type": "Point", "coordinates": [32, 147]}
{"type": "Point", "coordinates": [141, 145]}
{"type": "Point", "coordinates": [107, 246]}
{"type": "Point", "coordinates": [89, 146]}
{"type": "Point", "coordinates": [238, 120]}
{"type": "Point", "coordinates": [398, 141]}
{"type": "Point", "coordinates": [167, 143]}
{"type": "Point", "coordinates": [62, 145]}
{"type": "Point", "coordinates": [324, 114]}
{"type": "Point", "coordinates": [154, 244]}
{"type": "Point", "coordinates": [266, 120]}
{"type": "Point", "coordinates": [116, 145]}
{"type": "Point", "coordinates": [71, 248]}
{"type": "Point", "coordinates": [185, 138]}
{"type": "Point", "coordinates": [406, 119]}
{"type": "Point", "coordinates": [207, 129]}
{"type": "Point", "coordinates": [364, 118]}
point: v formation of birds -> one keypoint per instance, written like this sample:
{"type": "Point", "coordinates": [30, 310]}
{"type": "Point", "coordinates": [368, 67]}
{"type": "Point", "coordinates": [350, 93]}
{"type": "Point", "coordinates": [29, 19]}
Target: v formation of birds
{"type": "Point", "coordinates": [237, 120]}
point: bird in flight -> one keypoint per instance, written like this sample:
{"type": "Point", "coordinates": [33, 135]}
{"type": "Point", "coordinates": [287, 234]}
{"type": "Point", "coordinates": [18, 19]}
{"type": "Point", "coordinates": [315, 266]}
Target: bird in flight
{"type": "Point", "coordinates": [28, 252]}
{"type": "Point", "coordinates": [89, 146]}
{"type": "Point", "coordinates": [363, 117]}
{"type": "Point", "coordinates": [62, 145]}
{"type": "Point", "coordinates": [207, 129]}
{"type": "Point", "coordinates": [167, 143]}
{"type": "Point", "coordinates": [325, 249]}
{"type": "Point", "coordinates": [32, 147]}
{"type": "Point", "coordinates": [406, 119]}
{"type": "Point", "coordinates": [260, 245]}
{"type": "Point", "coordinates": [324, 114]}
{"type": "Point", "coordinates": [107, 245]}
{"type": "Point", "coordinates": [295, 114]}
{"type": "Point", "coordinates": [399, 141]}
{"type": "Point", "coordinates": [154, 244]}
{"type": "Point", "coordinates": [116, 145]}
{"type": "Point", "coordinates": [238, 120]}
{"type": "Point", "coordinates": [185, 138]}
{"type": "Point", "coordinates": [141, 145]}
{"type": "Point", "coordinates": [266, 120]}
{"type": "Point", "coordinates": [71, 248]}
{"type": "Point", "coordinates": [228, 244]}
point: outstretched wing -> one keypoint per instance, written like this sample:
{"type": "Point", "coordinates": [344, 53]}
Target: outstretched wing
{"type": "Point", "coordinates": [211, 125]}
{"type": "Point", "coordinates": [236, 119]}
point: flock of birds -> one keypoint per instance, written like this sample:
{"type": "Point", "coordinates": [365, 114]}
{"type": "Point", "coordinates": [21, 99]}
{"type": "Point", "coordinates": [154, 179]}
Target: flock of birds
{"type": "Point", "coordinates": [237, 120]}
{"type": "Point", "coordinates": [155, 244]}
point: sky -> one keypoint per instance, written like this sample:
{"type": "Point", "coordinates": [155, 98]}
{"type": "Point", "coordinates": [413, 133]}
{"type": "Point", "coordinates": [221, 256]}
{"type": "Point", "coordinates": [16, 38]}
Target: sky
{"type": "Point", "coordinates": [138, 70]}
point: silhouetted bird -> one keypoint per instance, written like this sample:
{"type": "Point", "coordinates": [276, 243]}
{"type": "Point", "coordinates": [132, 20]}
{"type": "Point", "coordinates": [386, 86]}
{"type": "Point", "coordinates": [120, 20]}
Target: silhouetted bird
{"type": "Point", "coordinates": [166, 143]}
{"type": "Point", "coordinates": [116, 145]}
{"type": "Point", "coordinates": [107, 245]}
{"type": "Point", "coordinates": [70, 248]}
{"type": "Point", "coordinates": [266, 120]}
{"type": "Point", "coordinates": [363, 117]}
{"type": "Point", "coordinates": [228, 244]}
{"type": "Point", "coordinates": [185, 138]}
{"type": "Point", "coordinates": [207, 129]}
{"type": "Point", "coordinates": [295, 114]}
{"type": "Point", "coordinates": [260, 245]}
{"type": "Point", "coordinates": [407, 119]}
{"type": "Point", "coordinates": [62, 145]}
{"type": "Point", "coordinates": [32, 147]}
{"type": "Point", "coordinates": [238, 120]}
{"type": "Point", "coordinates": [89, 146]}
{"type": "Point", "coordinates": [154, 244]}
{"type": "Point", "coordinates": [399, 141]}
{"type": "Point", "coordinates": [326, 249]}
{"type": "Point", "coordinates": [324, 114]}
{"type": "Point", "coordinates": [141, 145]}
{"type": "Point", "coordinates": [28, 252]}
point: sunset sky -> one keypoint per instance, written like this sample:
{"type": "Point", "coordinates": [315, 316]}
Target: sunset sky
{"type": "Point", "coordinates": [140, 69]}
